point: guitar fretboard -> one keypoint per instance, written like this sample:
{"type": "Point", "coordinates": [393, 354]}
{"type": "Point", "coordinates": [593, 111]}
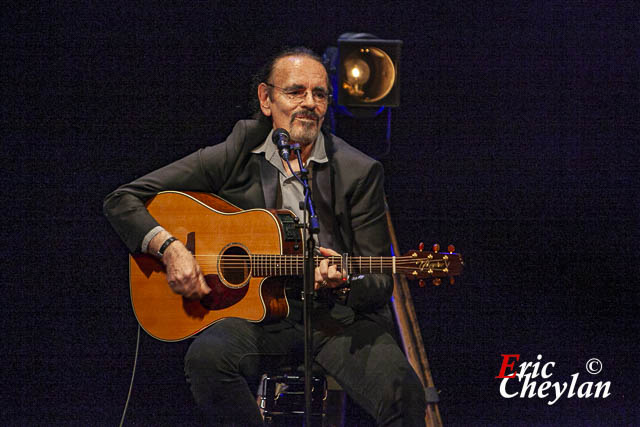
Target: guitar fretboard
{"type": "Point", "coordinates": [293, 265]}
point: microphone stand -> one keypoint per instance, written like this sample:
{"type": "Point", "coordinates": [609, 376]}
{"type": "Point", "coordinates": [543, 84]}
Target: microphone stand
{"type": "Point", "coordinates": [311, 227]}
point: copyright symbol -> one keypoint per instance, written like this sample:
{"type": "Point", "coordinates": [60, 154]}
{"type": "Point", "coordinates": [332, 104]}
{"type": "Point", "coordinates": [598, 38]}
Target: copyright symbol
{"type": "Point", "coordinates": [594, 366]}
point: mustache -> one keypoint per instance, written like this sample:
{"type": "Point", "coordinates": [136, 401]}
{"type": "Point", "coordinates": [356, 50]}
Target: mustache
{"type": "Point", "coordinates": [306, 114]}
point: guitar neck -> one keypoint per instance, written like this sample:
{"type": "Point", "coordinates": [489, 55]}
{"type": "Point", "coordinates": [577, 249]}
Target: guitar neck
{"type": "Point", "coordinates": [293, 265]}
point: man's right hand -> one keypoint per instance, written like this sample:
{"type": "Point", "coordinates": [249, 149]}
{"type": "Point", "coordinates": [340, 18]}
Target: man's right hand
{"type": "Point", "coordinates": [183, 272]}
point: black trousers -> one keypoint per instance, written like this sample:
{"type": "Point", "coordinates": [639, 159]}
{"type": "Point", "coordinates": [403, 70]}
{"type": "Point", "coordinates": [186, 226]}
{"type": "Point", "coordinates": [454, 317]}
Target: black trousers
{"type": "Point", "coordinates": [224, 363]}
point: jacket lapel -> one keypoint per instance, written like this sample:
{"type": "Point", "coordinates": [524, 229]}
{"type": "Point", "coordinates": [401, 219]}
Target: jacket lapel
{"type": "Point", "coordinates": [322, 193]}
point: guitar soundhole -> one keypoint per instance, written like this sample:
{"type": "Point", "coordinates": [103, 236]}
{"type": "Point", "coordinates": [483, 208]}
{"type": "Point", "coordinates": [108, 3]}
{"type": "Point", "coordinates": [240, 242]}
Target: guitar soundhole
{"type": "Point", "coordinates": [235, 266]}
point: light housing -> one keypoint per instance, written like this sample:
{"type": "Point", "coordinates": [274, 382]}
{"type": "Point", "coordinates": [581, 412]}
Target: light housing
{"type": "Point", "coordinates": [367, 71]}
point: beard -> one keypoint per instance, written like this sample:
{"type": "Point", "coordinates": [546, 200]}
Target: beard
{"type": "Point", "coordinates": [302, 131]}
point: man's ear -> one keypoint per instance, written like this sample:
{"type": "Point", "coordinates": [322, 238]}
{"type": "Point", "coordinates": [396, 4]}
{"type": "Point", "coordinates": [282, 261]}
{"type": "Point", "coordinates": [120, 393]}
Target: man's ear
{"type": "Point", "coordinates": [263, 97]}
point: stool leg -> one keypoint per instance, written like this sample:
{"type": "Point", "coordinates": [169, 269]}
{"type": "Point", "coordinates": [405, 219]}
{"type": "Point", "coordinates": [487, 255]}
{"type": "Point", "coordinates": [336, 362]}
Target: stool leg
{"type": "Point", "coordinates": [334, 405]}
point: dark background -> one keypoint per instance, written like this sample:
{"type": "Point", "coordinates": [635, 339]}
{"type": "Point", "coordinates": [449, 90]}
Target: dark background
{"type": "Point", "coordinates": [515, 140]}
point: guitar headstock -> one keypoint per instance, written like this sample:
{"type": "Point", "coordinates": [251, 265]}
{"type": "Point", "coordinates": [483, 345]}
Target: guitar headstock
{"type": "Point", "coordinates": [421, 264]}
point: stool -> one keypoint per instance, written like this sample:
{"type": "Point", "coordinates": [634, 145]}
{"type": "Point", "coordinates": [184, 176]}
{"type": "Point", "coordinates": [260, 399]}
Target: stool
{"type": "Point", "coordinates": [282, 402]}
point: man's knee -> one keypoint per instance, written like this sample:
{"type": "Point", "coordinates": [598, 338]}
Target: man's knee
{"type": "Point", "coordinates": [202, 357]}
{"type": "Point", "coordinates": [211, 354]}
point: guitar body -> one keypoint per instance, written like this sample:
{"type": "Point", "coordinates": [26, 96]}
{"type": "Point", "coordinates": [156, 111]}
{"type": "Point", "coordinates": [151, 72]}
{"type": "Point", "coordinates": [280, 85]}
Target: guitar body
{"type": "Point", "coordinates": [244, 256]}
{"type": "Point", "coordinates": [211, 227]}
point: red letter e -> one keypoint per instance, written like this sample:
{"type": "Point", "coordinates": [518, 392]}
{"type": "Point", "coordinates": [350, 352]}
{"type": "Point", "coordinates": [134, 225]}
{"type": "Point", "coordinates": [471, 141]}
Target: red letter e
{"type": "Point", "coordinates": [506, 364]}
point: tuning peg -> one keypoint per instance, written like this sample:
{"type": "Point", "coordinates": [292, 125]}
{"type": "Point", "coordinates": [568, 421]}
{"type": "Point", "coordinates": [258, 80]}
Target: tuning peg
{"type": "Point", "coordinates": [437, 281]}
{"type": "Point", "coordinates": [421, 246]}
{"type": "Point", "coordinates": [452, 280]}
{"type": "Point", "coordinates": [451, 249]}
{"type": "Point", "coordinates": [436, 247]}
{"type": "Point", "coordinates": [421, 283]}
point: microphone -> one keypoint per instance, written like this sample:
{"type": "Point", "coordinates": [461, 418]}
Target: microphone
{"type": "Point", "coordinates": [281, 137]}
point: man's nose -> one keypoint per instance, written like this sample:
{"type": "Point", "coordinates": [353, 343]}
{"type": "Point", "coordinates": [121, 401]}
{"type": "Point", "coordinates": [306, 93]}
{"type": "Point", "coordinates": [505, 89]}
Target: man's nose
{"type": "Point", "coordinates": [309, 101]}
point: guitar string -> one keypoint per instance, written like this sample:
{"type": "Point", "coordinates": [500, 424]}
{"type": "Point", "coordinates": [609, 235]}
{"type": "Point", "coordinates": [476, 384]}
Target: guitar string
{"type": "Point", "coordinates": [351, 259]}
{"type": "Point", "coordinates": [269, 262]}
{"type": "Point", "coordinates": [295, 259]}
{"type": "Point", "coordinates": [289, 266]}
{"type": "Point", "coordinates": [289, 258]}
{"type": "Point", "coordinates": [316, 257]}
{"type": "Point", "coordinates": [280, 262]}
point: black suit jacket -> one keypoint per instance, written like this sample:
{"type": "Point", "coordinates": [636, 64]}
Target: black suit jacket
{"type": "Point", "coordinates": [347, 192]}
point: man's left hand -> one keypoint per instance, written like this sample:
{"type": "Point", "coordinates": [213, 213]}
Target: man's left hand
{"type": "Point", "coordinates": [327, 276]}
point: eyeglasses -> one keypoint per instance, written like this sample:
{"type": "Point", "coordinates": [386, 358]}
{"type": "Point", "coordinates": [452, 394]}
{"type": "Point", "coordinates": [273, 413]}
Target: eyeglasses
{"type": "Point", "coordinates": [298, 95]}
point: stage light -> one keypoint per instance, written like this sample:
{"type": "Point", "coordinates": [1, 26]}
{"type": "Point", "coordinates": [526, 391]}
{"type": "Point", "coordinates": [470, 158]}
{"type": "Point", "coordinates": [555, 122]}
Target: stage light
{"type": "Point", "coordinates": [367, 71]}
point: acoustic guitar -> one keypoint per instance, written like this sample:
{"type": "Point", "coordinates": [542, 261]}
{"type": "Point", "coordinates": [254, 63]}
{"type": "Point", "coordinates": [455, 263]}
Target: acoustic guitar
{"type": "Point", "coordinates": [243, 255]}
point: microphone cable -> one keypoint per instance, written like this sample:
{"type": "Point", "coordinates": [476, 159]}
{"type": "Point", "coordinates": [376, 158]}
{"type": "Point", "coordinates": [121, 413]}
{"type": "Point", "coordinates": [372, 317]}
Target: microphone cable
{"type": "Point", "coordinates": [133, 375]}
